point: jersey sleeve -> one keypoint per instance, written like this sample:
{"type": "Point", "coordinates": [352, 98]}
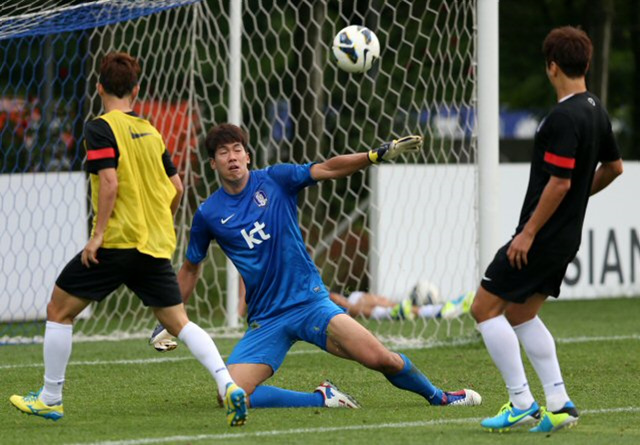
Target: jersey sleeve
{"type": "Point", "coordinates": [169, 166]}
{"type": "Point", "coordinates": [199, 239]}
{"type": "Point", "coordinates": [609, 151]}
{"type": "Point", "coordinates": [560, 156]}
{"type": "Point", "coordinates": [102, 149]}
{"type": "Point", "coordinates": [292, 177]}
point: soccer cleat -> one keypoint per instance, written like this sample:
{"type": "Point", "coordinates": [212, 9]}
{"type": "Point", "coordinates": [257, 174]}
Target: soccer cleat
{"type": "Point", "coordinates": [235, 401]}
{"type": "Point", "coordinates": [334, 398]}
{"type": "Point", "coordinates": [403, 311]}
{"type": "Point", "coordinates": [464, 397]}
{"type": "Point", "coordinates": [457, 307]}
{"type": "Point", "coordinates": [509, 416]}
{"type": "Point", "coordinates": [161, 340]}
{"type": "Point", "coordinates": [31, 404]}
{"type": "Point", "coordinates": [550, 421]}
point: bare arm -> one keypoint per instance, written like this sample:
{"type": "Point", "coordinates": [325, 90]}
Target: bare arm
{"type": "Point", "coordinates": [339, 166]}
{"type": "Point", "coordinates": [552, 195]}
{"type": "Point", "coordinates": [187, 279]}
{"type": "Point", "coordinates": [605, 174]}
{"type": "Point", "coordinates": [107, 194]}
{"type": "Point", "coordinates": [177, 183]}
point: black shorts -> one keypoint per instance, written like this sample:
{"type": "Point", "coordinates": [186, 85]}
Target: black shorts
{"type": "Point", "coordinates": [543, 274]}
{"type": "Point", "coordinates": [151, 279]}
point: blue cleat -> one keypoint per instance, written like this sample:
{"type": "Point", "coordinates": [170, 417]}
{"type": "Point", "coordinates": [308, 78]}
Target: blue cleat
{"type": "Point", "coordinates": [550, 421]}
{"type": "Point", "coordinates": [235, 401]}
{"type": "Point", "coordinates": [509, 416]}
{"type": "Point", "coordinates": [31, 404]}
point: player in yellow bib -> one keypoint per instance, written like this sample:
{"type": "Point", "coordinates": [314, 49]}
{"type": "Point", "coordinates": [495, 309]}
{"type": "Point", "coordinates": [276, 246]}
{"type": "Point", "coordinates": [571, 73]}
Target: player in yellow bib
{"type": "Point", "coordinates": [135, 191]}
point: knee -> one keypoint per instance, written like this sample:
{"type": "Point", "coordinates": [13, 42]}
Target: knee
{"type": "Point", "coordinates": [483, 309]}
{"type": "Point", "coordinates": [57, 314]}
{"type": "Point", "coordinates": [384, 361]}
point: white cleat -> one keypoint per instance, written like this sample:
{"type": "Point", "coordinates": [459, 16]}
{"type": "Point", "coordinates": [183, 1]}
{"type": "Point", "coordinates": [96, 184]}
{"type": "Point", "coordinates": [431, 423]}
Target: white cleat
{"type": "Point", "coordinates": [161, 340]}
{"type": "Point", "coordinates": [464, 397]}
{"type": "Point", "coordinates": [334, 398]}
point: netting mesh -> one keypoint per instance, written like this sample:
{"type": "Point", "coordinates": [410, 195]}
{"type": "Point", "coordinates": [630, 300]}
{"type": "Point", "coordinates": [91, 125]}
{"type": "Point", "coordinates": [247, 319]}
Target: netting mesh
{"type": "Point", "coordinates": [296, 105]}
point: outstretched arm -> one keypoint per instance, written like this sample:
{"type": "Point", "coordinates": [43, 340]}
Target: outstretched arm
{"type": "Point", "coordinates": [345, 165]}
{"type": "Point", "coordinates": [339, 166]}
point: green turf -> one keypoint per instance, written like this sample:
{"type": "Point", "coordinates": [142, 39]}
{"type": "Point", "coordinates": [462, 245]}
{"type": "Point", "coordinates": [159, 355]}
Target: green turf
{"type": "Point", "coordinates": [157, 400]}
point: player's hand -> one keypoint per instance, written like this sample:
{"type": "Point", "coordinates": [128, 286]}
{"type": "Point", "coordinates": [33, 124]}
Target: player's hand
{"type": "Point", "coordinates": [519, 249]}
{"type": "Point", "coordinates": [90, 252]}
{"type": "Point", "coordinates": [393, 149]}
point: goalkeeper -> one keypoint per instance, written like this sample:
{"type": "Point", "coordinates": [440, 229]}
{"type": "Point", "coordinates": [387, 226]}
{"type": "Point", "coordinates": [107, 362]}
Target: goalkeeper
{"type": "Point", "coordinates": [254, 219]}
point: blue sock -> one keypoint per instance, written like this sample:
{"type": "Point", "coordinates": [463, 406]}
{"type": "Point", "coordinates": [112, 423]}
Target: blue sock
{"type": "Point", "coordinates": [411, 379]}
{"type": "Point", "coordinates": [271, 397]}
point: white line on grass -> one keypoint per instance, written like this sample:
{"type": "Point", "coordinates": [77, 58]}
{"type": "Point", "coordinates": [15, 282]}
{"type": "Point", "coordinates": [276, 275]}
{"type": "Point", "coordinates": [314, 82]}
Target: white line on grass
{"type": "Point", "coordinates": [143, 361]}
{"type": "Point", "coordinates": [325, 430]}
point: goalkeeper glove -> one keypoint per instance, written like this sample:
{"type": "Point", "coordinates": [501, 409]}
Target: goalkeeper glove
{"type": "Point", "coordinates": [393, 149]}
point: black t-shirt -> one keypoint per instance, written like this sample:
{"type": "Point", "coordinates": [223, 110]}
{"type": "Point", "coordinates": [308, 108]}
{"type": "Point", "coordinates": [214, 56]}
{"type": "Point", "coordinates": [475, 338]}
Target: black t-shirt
{"type": "Point", "coordinates": [102, 148]}
{"type": "Point", "coordinates": [569, 143]}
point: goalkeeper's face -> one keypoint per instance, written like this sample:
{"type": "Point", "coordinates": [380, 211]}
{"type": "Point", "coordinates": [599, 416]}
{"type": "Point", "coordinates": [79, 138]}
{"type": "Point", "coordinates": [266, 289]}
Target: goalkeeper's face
{"type": "Point", "coordinates": [231, 161]}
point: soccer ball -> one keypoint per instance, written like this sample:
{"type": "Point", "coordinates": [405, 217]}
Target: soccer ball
{"type": "Point", "coordinates": [425, 292]}
{"type": "Point", "coordinates": [355, 49]}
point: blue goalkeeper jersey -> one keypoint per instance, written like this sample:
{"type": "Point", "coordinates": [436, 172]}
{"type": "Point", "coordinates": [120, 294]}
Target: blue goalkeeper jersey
{"type": "Point", "coordinates": [258, 230]}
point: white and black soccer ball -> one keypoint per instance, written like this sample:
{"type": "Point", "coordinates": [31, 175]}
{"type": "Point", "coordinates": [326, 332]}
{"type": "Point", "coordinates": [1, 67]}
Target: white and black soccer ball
{"type": "Point", "coordinates": [425, 292]}
{"type": "Point", "coordinates": [355, 49]}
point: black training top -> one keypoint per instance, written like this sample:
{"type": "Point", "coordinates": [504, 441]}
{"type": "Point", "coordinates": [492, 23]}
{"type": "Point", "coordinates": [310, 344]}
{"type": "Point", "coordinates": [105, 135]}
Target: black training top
{"type": "Point", "coordinates": [569, 143]}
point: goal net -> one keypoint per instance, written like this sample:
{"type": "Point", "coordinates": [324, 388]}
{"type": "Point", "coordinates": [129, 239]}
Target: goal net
{"type": "Point", "coordinates": [375, 231]}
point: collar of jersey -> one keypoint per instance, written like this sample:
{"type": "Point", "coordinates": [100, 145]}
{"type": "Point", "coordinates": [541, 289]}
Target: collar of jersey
{"type": "Point", "coordinates": [244, 191]}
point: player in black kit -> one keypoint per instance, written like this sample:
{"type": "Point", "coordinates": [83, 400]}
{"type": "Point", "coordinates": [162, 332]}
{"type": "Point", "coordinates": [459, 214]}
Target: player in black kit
{"type": "Point", "coordinates": [573, 140]}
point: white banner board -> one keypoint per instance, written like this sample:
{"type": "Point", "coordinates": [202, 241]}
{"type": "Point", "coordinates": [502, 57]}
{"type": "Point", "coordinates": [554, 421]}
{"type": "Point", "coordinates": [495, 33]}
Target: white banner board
{"type": "Point", "coordinates": [43, 225]}
{"type": "Point", "coordinates": [428, 231]}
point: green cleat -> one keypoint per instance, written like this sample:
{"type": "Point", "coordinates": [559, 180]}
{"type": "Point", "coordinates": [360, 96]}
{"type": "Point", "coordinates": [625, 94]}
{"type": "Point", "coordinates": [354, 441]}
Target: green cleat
{"type": "Point", "coordinates": [457, 307]}
{"type": "Point", "coordinates": [550, 421]}
{"type": "Point", "coordinates": [235, 401]}
{"type": "Point", "coordinates": [31, 404]}
{"type": "Point", "coordinates": [403, 311]}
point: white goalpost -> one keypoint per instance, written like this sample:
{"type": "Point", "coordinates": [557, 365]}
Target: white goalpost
{"type": "Point", "coordinates": [265, 65]}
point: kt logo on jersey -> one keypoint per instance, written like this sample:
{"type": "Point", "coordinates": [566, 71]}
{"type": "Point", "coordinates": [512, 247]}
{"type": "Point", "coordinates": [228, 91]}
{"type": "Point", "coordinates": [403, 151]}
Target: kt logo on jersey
{"type": "Point", "coordinates": [251, 238]}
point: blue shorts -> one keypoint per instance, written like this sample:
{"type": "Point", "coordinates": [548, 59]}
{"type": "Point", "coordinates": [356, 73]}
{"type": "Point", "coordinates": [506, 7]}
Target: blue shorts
{"type": "Point", "coordinates": [268, 341]}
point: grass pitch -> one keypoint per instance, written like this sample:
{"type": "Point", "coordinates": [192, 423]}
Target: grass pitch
{"type": "Point", "coordinates": [126, 393]}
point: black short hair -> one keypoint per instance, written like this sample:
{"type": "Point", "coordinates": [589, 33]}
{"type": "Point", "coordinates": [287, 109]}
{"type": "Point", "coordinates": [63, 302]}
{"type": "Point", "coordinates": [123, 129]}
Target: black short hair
{"type": "Point", "coordinates": [570, 48]}
{"type": "Point", "coordinates": [119, 74]}
{"type": "Point", "coordinates": [225, 134]}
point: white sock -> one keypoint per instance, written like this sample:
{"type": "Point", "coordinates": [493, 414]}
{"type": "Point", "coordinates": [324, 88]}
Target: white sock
{"type": "Point", "coordinates": [429, 310]}
{"type": "Point", "coordinates": [204, 349]}
{"type": "Point", "coordinates": [56, 352]}
{"type": "Point", "coordinates": [541, 350]}
{"type": "Point", "coordinates": [502, 343]}
{"type": "Point", "coordinates": [381, 313]}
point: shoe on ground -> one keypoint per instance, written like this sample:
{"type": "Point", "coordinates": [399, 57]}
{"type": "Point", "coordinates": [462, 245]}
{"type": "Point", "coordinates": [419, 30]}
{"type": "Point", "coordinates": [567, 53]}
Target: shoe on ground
{"type": "Point", "coordinates": [235, 401]}
{"type": "Point", "coordinates": [550, 421]}
{"type": "Point", "coordinates": [31, 404]}
{"type": "Point", "coordinates": [403, 310]}
{"type": "Point", "coordinates": [161, 340]}
{"type": "Point", "coordinates": [334, 398]}
{"type": "Point", "coordinates": [464, 397]}
{"type": "Point", "coordinates": [509, 417]}
{"type": "Point", "coordinates": [457, 307]}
